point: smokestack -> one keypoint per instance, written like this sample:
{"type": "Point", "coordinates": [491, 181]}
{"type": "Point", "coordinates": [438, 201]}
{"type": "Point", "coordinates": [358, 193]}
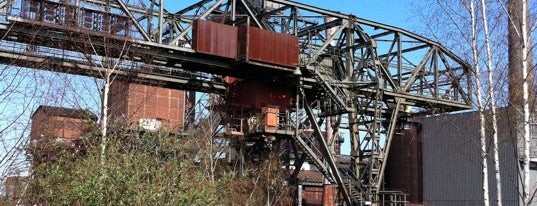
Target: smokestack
{"type": "Point", "coordinates": [515, 60]}
{"type": "Point", "coordinates": [332, 30]}
{"type": "Point", "coordinates": [516, 101]}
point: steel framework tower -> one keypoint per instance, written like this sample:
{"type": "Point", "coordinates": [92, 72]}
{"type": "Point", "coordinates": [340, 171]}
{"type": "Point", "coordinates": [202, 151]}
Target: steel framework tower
{"type": "Point", "coordinates": [369, 74]}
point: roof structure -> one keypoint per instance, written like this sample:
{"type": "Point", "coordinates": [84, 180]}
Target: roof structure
{"type": "Point", "coordinates": [66, 112]}
{"type": "Point", "coordinates": [310, 177]}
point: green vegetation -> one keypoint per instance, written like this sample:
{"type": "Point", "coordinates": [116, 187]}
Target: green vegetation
{"type": "Point", "coordinates": [147, 169]}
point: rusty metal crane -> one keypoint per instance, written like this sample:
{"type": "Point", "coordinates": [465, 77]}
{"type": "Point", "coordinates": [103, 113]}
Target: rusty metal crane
{"type": "Point", "coordinates": [370, 74]}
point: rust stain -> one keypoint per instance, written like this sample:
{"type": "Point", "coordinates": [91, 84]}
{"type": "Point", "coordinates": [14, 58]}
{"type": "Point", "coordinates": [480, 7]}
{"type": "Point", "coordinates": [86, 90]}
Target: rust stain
{"type": "Point", "coordinates": [268, 47]}
{"type": "Point", "coordinates": [215, 39]}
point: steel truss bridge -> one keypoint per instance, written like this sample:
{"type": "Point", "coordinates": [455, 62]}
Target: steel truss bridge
{"type": "Point", "coordinates": [372, 74]}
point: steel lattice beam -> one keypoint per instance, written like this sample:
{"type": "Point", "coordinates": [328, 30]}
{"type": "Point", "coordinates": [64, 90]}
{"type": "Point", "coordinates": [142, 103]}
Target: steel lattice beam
{"type": "Point", "coordinates": [365, 67]}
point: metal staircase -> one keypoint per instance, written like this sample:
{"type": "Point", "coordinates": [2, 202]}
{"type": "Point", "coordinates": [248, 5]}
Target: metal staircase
{"type": "Point", "coordinates": [352, 185]}
{"type": "Point", "coordinates": [312, 155]}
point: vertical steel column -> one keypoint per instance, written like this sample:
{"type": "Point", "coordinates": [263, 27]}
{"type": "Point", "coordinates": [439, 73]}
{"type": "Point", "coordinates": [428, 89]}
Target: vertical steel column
{"type": "Point", "coordinates": [388, 141]}
{"type": "Point", "coordinates": [356, 158]}
{"type": "Point", "coordinates": [434, 61]}
{"type": "Point", "coordinates": [233, 11]}
{"type": "Point", "coordinates": [399, 59]}
{"type": "Point", "coordinates": [191, 105]}
{"type": "Point", "coordinates": [160, 20]}
{"type": "Point", "coordinates": [376, 157]}
{"type": "Point", "coordinates": [297, 127]}
{"type": "Point", "coordinates": [294, 15]}
{"type": "Point", "coordinates": [149, 26]}
{"type": "Point", "coordinates": [299, 195]}
{"type": "Point", "coordinates": [326, 184]}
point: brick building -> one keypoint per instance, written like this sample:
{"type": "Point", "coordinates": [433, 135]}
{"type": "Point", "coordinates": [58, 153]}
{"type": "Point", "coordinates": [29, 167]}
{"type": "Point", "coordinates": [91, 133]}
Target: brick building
{"type": "Point", "coordinates": [64, 125]}
{"type": "Point", "coordinates": [146, 106]}
{"type": "Point", "coordinates": [311, 182]}
{"type": "Point", "coordinates": [313, 191]}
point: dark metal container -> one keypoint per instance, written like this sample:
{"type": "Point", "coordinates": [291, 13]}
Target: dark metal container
{"type": "Point", "coordinates": [247, 94]}
{"type": "Point", "coordinates": [404, 171]}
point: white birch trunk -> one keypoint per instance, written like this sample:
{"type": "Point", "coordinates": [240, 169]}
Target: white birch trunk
{"type": "Point", "coordinates": [104, 129]}
{"type": "Point", "coordinates": [490, 73]}
{"type": "Point", "coordinates": [104, 120]}
{"type": "Point", "coordinates": [526, 110]}
{"type": "Point", "coordinates": [480, 108]}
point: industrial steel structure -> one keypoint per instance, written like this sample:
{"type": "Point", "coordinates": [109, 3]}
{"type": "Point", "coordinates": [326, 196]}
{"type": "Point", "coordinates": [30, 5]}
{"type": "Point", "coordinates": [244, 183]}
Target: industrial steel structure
{"type": "Point", "coordinates": [335, 69]}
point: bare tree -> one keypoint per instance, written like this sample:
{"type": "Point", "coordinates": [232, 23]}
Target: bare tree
{"type": "Point", "coordinates": [107, 68]}
{"type": "Point", "coordinates": [209, 120]}
{"type": "Point", "coordinates": [505, 76]}
{"type": "Point", "coordinates": [526, 110]}
{"type": "Point", "coordinates": [492, 96]}
{"type": "Point", "coordinates": [22, 90]}
{"type": "Point", "coordinates": [520, 91]}
{"type": "Point", "coordinates": [480, 106]}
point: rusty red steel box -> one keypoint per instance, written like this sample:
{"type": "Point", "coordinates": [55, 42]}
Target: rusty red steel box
{"type": "Point", "coordinates": [249, 94]}
{"type": "Point", "coordinates": [267, 47]}
{"type": "Point", "coordinates": [214, 38]}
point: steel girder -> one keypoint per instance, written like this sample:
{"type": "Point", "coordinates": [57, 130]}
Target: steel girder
{"type": "Point", "coordinates": [429, 75]}
{"type": "Point", "coordinates": [370, 72]}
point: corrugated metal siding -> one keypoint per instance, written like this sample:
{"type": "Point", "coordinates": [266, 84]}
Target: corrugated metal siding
{"type": "Point", "coordinates": [268, 47]}
{"type": "Point", "coordinates": [245, 43]}
{"type": "Point", "coordinates": [215, 39]}
{"type": "Point", "coordinates": [533, 185]}
{"type": "Point", "coordinates": [451, 161]}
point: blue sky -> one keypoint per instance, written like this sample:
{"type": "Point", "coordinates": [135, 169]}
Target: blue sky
{"type": "Point", "coordinates": [392, 12]}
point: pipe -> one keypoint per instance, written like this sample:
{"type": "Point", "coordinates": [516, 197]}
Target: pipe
{"type": "Point", "coordinates": [299, 195]}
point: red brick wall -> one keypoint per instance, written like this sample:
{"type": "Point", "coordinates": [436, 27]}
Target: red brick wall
{"type": "Point", "coordinates": [117, 103]}
{"type": "Point", "coordinates": [39, 126]}
{"type": "Point", "coordinates": [312, 195]}
{"type": "Point", "coordinates": [53, 126]}
{"type": "Point", "coordinates": [329, 195]}
{"type": "Point", "coordinates": [131, 102]}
